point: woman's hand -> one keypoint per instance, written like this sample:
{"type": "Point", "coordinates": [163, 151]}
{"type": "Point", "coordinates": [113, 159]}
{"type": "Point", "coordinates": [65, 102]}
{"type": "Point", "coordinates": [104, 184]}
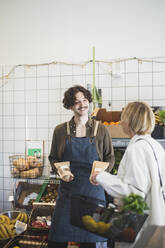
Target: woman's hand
{"type": "Point", "coordinates": [93, 178]}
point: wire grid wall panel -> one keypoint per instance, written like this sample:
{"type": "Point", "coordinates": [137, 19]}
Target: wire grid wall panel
{"type": "Point", "coordinates": [31, 102]}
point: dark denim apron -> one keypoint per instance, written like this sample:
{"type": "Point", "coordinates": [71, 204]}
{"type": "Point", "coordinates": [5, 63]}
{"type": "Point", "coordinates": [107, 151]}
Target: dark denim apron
{"type": "Point", "coordinates": [81, 152]}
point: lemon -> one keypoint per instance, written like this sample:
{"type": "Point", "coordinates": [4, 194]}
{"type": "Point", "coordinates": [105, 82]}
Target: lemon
{"type": "Point", "coordinates": [89, 223]}
{"type": "Point", "coordinates": [102, 227]}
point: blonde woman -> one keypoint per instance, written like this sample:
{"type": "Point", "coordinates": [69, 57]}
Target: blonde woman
{"type": "Point", "coordinates": [142, 168]}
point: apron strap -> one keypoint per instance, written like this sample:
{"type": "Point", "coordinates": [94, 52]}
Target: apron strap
{"type": "Point", "coordinates": [68, 128]}
{"type": "Point", "coordinates": [95, 132]}
{"type": "Point", "coordinates": [96, 128]}
{"type": "Point", "coordinates": [68, 131]}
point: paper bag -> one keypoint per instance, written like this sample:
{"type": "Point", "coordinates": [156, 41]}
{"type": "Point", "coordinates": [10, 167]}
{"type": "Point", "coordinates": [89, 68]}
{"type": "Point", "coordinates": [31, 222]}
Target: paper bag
{"type": "Point", "coordinates": [63, 169]}
{"type": "Point", "coordinates": [99, 166]}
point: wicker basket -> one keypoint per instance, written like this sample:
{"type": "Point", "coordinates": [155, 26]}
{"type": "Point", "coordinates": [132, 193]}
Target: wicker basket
{"type": "Point", "coordinates": [26, 166]}
{"type": "Point", "coordinates": [9, 223]}
{"type": "Point", "coordinates": [87, 214]}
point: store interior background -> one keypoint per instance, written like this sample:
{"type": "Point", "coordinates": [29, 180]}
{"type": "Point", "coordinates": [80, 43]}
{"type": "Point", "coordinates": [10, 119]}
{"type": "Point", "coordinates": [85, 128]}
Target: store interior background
{"type": "Point", "coordinates": [34, 34]}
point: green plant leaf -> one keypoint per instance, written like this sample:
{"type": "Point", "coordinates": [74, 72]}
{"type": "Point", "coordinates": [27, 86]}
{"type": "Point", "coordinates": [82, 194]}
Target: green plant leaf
{"type": "Point", "coordinates": [161, 113]}
{"type": "Point", "coordinates": [134, 203]}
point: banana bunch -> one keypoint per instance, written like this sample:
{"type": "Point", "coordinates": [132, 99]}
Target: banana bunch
{"type": "Point", "coordinates": [7, 225]}
{"type": "Point", "coordinates": [4, 219]}
{"type": "Point", "coordinates": [158, 119]}
{"type": "Point", "coordinates": [23, 217]}
{"type": "Point", "coordinates": [7, 231]}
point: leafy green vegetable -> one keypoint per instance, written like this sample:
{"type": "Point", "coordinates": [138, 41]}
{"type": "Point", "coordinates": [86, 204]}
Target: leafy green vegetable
{"type": "Point", "coordinates": [161, 113]}
{"type": "Point", "coordinates": [134, 203]}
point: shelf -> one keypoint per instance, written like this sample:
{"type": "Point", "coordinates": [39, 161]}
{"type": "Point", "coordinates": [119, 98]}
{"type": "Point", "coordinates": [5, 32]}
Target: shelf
{"type": "Point", "coordinates": [123, 142]}
{"type": "Point", "coordinates": [120, 142]}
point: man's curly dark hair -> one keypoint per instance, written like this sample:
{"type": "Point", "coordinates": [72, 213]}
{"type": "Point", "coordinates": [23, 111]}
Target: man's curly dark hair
{"type": "Point", "coordinates": [69, 95]}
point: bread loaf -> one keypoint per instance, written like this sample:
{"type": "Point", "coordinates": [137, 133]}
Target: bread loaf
{"type": "Point", "coordinates": [32, 173]}
{"type": "Point", "coordinates": [21, 164]}
{"type": "Point", "coordinates": [33, 162]}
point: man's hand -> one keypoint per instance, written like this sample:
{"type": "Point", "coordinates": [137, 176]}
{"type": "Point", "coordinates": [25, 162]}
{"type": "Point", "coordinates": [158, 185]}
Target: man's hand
{"type": "Point", "coordinates": [68, 178]}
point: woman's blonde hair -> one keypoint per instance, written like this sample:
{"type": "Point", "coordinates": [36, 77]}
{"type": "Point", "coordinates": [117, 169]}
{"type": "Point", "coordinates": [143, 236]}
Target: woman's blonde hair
{"type": "Point", "coordinates": [139, 117]}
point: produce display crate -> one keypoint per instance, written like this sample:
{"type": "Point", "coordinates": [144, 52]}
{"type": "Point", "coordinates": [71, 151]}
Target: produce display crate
{"type": "Point", "coordinates": [41, 210]}
{"type": "Point", "coordinates": [27, 241]}
{"type": "Point", "coordinates": [115, 131]}
{"type": "Point", "coordinates": [109, 116]}
{"type": "Point", "coordinates": [49, 191]}
{"type": "Point", "coordinates": [23, 190]}
{"type": "Point", "coordinates": [121, 227]}
{"type": "Point", "coordinates": [26, 166]}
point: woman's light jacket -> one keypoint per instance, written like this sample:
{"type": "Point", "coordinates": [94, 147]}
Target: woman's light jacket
{"type": "Point", "coordinates": [138, 173]}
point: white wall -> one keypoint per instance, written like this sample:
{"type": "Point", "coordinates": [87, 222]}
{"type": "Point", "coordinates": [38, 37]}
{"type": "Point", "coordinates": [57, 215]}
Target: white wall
{"type": "Point", "coordinates": [37, 31]}
{"type": "Point", "coordinates": [40, 31]}
{"type": "Point", "coordinates": [31, 103]}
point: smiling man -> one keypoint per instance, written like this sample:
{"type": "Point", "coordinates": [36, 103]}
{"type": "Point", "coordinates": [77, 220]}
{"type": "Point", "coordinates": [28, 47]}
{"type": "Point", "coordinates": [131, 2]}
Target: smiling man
{"type": "Point", "coordinates": [81, 141]}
